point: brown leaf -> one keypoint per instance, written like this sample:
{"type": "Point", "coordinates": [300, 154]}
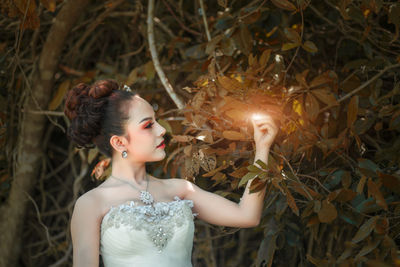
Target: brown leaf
{"type": "Point", "coordinates": [382, 226]}
{"type": "Point", "coordinates": [99, 170]}
{"type": "Point", "coordinates": [92, 154]}
{"type": "Point", "coordinates": [240, 172]}
{"type": "Point", "coordinates": [230, 84]}
{"type": "Point", "coordinates": [182, 138]}
{"type": "Point", "coordinates": [317, 262]}
{"type": "Point", "coordinates": [312, 106]}
{"type": "Point", "coordinates": [373, 190]}
{"type": "Point", "coordinates": [205, 136]}
{"type": "Point", "coordinates": [368, 248]}
{"type": "Point", "coordinates": [365, 229]}
{"type": "Point", "coordinates": [347, 252]}
{"type": "Point", "coordinates": [291, 202]}
{"type": "Point", "coordinates": [27, 12]}
{"type": "Point", "coordinates": [301, 78]}
{"type": "Point", "coordinates": [361, 183]}
{"type": "Point", "coordinates": [208, 163]}
{"type": "Point", "coordinates": [149, 70]}
{"type": "Point", "coordinates": [305, 191]}
{"type": "Point", "coordinates": [233, 135]}
{"type": "Point", "coordinates": [219, 177]}
{"type": "Point", "coordinates": [199, 120]}
{"type": "Point", "coordinates": [325, 96]}
{"type": "Point", "coordinates": [214, 171]}
{"type": "Point", "coordinates": [59, 95]}
{"type": "Point", "coordinates": [352, 111]}
{"type": "Point", "coordinates": [188, 150]}
{"type": "Point", "coordinates": [256, 185]}
{"type": "Point", "coordinates": [232, 103]}
{"type": "Point", "coordinates": [327, 213]}
{"type": "Point", "coordinates": [264, 57]}
{"type": "Point", "coordinates": [328, 77]}
{"type": "Point", "coordinates": [223, 3]}
{"type": "Point", "coordinates": [313, 221]}
{"type": "Point", "coordinates": [211, 45]}
{"type": "Point", "coordinates": [343, 8]}
{"type": "Point", "coordinates": [237, 114]}
{"type": "Point", "coordinates": [332, 195]}
{"type": "Point", "coordinates": [391, 182]}
{"type": "Point", "coordinates": [345, 195]}
{"type": "Point", "coordinates": [198, 100]}
{"type": "Point", "coordinates": [346, 179]}
{"type": "Point", "coordinates": [284, 4]}
{"type": "Point", "coordinates": [133, 77]}
{"type": "Point", "coordinates": [50, 5]}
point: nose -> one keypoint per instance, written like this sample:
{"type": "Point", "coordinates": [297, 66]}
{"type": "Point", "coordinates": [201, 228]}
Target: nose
{"type": "Point", "coordinates": [163, 130]}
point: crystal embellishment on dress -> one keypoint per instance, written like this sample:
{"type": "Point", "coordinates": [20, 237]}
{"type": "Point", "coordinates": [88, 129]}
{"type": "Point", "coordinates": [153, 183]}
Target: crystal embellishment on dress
{"type": "Point", "coordinates": [158, 220]}
{"type": "Point", "coordinates": [146, 197]}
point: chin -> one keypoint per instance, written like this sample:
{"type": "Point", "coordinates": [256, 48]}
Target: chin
{"type": "Point", "coordinates": [159, 158]}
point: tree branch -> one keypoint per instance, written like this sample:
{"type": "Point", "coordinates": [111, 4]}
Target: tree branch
{"type": "Point", "coordinates": [164, 80]}
{"type": "Point", "coordinates": [362, 86]}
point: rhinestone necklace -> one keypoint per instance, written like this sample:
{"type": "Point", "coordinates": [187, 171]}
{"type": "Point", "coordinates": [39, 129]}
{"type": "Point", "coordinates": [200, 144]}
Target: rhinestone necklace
{"type": "Point", "coordinates": [145, 195]}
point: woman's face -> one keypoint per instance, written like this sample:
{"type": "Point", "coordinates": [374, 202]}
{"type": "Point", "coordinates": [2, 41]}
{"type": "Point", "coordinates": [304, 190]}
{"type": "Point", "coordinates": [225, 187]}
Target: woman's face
{"type": "Point", "coordinates": [144, 133]}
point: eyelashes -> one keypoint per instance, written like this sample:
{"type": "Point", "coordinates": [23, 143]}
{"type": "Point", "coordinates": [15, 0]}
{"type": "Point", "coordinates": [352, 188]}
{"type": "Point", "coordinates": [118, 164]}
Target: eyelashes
{"type": "Point", "coordinates": [148, 126]}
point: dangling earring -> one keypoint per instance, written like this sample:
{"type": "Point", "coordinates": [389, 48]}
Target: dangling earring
{"type": "Point", "coordinates": [124, 154]}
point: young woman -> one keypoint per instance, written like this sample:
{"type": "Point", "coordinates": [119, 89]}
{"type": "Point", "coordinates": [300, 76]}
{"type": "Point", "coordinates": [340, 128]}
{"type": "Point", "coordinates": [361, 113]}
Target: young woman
{"type": "Point", "coordinates": [133, 218]}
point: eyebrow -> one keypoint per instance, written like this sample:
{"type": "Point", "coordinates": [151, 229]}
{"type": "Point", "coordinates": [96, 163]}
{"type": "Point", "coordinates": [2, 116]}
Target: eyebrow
{"type": "Point", "coordinates": [146, 119]}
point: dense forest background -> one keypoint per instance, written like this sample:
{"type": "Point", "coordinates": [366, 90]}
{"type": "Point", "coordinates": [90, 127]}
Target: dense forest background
{"type": "Point", "coordinates": [327, 70]}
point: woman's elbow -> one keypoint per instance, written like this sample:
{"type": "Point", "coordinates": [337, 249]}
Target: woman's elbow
{"type": "Point", "coordinates": [253, 222]}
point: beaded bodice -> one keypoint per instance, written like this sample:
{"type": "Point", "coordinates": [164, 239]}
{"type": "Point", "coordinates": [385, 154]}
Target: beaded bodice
{"type": "Point", "coordinates": [134, 234]}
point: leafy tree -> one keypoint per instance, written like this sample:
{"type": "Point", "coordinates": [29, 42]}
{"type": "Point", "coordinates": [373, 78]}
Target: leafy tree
{"type": "Point", "coordinates": [326, 70]}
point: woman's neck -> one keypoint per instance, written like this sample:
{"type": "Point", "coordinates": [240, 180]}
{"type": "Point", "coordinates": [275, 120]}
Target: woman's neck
{"type": "Point", "coordinates": [128, 171]}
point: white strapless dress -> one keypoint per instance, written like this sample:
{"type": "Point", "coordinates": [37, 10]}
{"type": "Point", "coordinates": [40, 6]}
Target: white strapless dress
{"type": "Point", "coordinates": [143, 235]}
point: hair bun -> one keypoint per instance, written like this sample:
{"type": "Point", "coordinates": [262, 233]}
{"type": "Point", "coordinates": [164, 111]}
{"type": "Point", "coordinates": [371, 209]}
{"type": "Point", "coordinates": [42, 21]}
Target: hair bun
{"type": "Point", "coordinates": [74, 99]}
{"type": "Point", "coordinates": [103, 88]}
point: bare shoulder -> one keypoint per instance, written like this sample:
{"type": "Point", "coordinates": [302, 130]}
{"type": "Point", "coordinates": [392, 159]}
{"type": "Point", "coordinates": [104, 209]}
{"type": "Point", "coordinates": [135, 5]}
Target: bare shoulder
{"type": "Point", "coordinates": [181, 186]}
{"type": "Point", "coordinates": [89, 203]}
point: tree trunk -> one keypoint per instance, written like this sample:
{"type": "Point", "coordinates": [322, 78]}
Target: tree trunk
{"type": "Point", "coordinates": [31, 133]}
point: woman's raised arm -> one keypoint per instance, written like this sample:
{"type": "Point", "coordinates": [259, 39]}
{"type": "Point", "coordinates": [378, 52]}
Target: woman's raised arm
{"type": "Point", "coordinates": [215, 209]}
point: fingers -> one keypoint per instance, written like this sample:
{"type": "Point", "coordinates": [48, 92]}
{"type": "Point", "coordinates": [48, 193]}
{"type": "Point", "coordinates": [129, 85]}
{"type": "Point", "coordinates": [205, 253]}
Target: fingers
{"type": "Point", "coordinates": [262, 123]}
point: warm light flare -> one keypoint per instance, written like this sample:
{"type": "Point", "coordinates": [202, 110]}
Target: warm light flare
{"type": "Point", "coordinates": [256, 116]}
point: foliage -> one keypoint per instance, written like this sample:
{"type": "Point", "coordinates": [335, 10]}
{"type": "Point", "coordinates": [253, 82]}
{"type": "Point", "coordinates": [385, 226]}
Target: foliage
{"type": "Point", "coordinates": [327, 71]}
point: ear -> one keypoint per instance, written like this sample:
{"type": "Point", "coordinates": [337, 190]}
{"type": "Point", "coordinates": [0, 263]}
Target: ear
{"type": "Point", "coordinates": [118, 143]}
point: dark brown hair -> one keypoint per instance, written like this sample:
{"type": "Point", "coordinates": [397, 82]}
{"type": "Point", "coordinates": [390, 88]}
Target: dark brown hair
{"type": "Point", "coordinates": [97, 112]}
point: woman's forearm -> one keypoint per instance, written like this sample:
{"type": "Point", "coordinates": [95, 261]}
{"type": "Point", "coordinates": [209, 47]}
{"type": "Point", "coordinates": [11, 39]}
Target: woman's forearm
{"type": "Point", "coordinates": [252, 203]}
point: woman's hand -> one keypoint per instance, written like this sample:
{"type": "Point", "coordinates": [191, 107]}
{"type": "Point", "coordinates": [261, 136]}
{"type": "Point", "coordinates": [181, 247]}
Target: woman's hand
{"type": "Point", "coordinates": [265, 130]}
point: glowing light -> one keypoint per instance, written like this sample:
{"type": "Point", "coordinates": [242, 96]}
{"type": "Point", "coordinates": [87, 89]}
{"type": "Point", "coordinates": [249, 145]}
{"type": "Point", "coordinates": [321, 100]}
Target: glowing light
{"type": "Point", "coordinates": [256, 116]}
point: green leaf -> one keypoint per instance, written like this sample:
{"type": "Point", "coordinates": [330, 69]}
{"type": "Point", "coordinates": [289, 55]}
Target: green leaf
{"type": "Point", "coordinates": [246, 178]}
{"type": "Point", "coordinates": [288, 46]}
{"type": "Point", "coordinates": [292, 35]}
{"type": "Point", "coordinates": [262, 164]}
{"type": "Point", "coordinates": [368, 248]}
{"type": "Point", "coordinates": [365, 229]}
{"type": "Point", "coordinates": [253, 168]}
{"type": "Point", "coordinates": [310, 47]}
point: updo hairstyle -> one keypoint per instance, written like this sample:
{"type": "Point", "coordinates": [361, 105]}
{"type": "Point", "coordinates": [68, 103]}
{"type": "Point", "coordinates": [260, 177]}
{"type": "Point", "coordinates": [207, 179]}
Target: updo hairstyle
{"type": "Point", "coordinates": [97, 112]}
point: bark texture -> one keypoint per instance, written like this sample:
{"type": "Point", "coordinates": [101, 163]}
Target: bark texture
{"type": "Point", "coordinates": [31, 133]}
